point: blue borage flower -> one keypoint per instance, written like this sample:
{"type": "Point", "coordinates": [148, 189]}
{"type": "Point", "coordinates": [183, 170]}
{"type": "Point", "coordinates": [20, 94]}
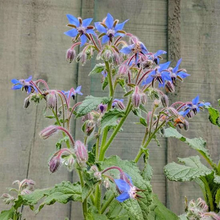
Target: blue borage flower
{"type": "Point", "coordinates": [193, 107]}
{"type": "Point", "coordinates": [158, 74]}
{"type": "Point", "coordinates": [137, 48]}
{"type": "Point", "coordinates": [156, 56]}
{"type": "Point", "coordinates": [175, 73]}
{"type": "Point", "coordinates": [110, 28]}
{"type": "Point", "coordinates": [81, 28]}
{"type": "Point", "coordinates": [72, 92]}
{"type": "Point", "coordinates": [23, 84]}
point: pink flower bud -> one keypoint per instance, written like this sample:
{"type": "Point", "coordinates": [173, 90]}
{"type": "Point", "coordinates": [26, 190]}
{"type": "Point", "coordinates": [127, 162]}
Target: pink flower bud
{"type": "Point", "coordinates": [51, 99]}
{"type": "Point", "coordinates": [164, 100]}
{"type": "Point", "coordinates": [48, 131]}
{"type": "Point", "coordinates": [55, 162]}
{"type": "Point", "coordinates": [123, 70]}
{"type": "Point", "coordinates": [27, 102]}
{"type": "Point", "coordinates": [136, 97]}
{"type": "Point", "coordinates": [69, 162]}
{"type": "Point", "coordinates": [70, 54]}
{"type": "Point", "coordinates": [81, 152]}
{"type": "Point", "coordinates": [107, 55]}
{"type": "Point", "coordinates": [170, 87]}
{"type": "Point", "coordinates": [98, 175]}
{"type": "Point", "coordinates": [156, 103]}
{"type": "Point", "coordinates": [143, 98]}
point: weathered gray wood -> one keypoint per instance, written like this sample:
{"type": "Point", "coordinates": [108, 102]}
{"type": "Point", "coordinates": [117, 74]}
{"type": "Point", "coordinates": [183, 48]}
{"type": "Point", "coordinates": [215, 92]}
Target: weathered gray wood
{"type": "Point", "coordinates": [32, 43]}
{"type": "Point", "coordinates": [197, 32]}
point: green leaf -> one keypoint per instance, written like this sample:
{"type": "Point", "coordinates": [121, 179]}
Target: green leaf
{"type": "Point", "coordinates": [95, 216]}
{"type": "Point", "coordinates": [216, 178]}
{"type": "Point", "coordinates": [214, 116]}
{"type": "Point", "coordinates": [62, 193]}
{"type": "Point", "coordinates": [59, 143]}
{"type": "Point", "coordinates": [192, 169]}
{"type": "Point", "coordinates": [7, 214]}
{"type": "Point", "coordinates": [90, 103]}
{"type": "Point", "coordinates": [136, 209]}
{"type": "Point", "coordinates": [196, 143]}
{"type": "Point", "coordinates": [110, 118]}
{"type": "Point", "coordinates": [160, 212]}
{"type": "Point", "coordinates": [147, 172]}
{"type": "Point", "coordinates": [98, 68]}
{"type": "Point", "coordinates": [217, 198]}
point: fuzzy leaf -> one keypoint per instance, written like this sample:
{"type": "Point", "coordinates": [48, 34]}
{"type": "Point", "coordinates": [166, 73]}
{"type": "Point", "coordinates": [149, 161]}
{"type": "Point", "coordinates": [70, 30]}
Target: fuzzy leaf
{"type": "Point", "coordinates": [136, 209]}
{"type": "Point", "coordinates": [196, 143]}
{"type": "Point", "coordinates": [217, 198]}
{"type": "Point", "coordinates": [147, 172]}
{"type": "Point", "coordinates": [110, 118]}
{"type": "Point", "coordinates": [62, 193]}
{"type": "Point", "coordinates": [7, 214]}
{"type": "Point", "coordinates": [214, 116]}
{"type": "Point", "coordinates": [90, 103]}
{"type": "Point", "coordinates": [98, 68]}
{"type": "Point", "coordinates": [216, 179]}
{"type": "Point", "coordinates": [160, 212]}
{"type": "Point", "coordinates": [192, 169]}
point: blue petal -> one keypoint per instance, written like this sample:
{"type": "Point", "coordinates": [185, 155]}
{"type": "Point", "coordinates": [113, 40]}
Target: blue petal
{"type": "Point", "coordinates": [105, 39]}
{"type": "Point", "coordinates": [90, 31]}
{"type": "Point", "coordinates": [19, 86]}
{"type": "Point", "coordinates": [120, 26]}
{"type": "Point", "coordinates": [29, 89]}
{"type": "Point", "coordinates": [206, 104]}
{"type": "Point", "coordinates": [100, 27]}
{"type": "Point", "coordinates": [177, 66]}
{"type": "Point", "coordinates": [164, 66]}
{"type": "Point", "coordinates": [86, 22]}
{"type": "Point", "coordinates": [124, 196]}
{"type": "Point", "coordinates": [73, 20]}
{"type": "Point", "coordinates": [119, 34]}
{"type": "Point", "coordinates": [195, 100]}
{"type": "Point", "coordinates": [77, 90]}
{"type": "Point", "coordinates": [128, 49]}
{"type": "Point", "coordinates": [183, 74]}
{"type": "Point", "coordinates": [71, 33]}
{"type": "Point", "coordinates": [143, 49]}
{"type": "Point", "coordinates": [159, 52]}
{"type": "Point", "coordinates": [83, 39]}
{"type": "Point", "coordinates": [165, 76]}
{"type": "Point", "coordinates": [28, 79]}
{"type": "Point", "coordinates": [109, 21]}
{"type": "Point", "coordinates": [15, 81]}
{"type": "Point", "coordinates": [149, 78]}
{"type": "Point", "coordinates": [122, 185]}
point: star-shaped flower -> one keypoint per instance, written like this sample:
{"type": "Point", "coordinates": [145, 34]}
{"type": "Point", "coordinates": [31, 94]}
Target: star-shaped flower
{"type": "Point", "coordinates": [156, 56]}
{"type": "Point", "coordinates": [158, 74]}
{"type": "Point", "coordinates": [80, 27]}
{"type": "Point", "coordinates": [110, 28]}
{"type": "Point", "coordinates": [126, 191]}
{"type": "Point", "coordinates": [72, 92]}
{"type": "Point", "coordinates": [175, 73]}
{"type": "Point", "coordinates": [23, 84]}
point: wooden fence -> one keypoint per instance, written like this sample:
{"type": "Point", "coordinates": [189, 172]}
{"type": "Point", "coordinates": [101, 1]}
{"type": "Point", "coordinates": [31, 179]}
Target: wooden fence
{"type": "Point", "coordinates": [32, 43]}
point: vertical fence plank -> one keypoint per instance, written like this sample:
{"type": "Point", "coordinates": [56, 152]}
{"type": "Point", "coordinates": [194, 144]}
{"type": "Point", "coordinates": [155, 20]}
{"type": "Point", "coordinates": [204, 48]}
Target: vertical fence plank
{"type": "Point", "coordinates": [197, 29]}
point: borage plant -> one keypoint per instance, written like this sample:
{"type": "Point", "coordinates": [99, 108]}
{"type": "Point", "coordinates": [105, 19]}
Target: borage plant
{"type": "Point", "coordinates": [108, 187]}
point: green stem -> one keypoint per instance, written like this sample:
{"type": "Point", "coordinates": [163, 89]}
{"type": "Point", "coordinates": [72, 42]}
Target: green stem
{"type": "Point", "coordinates": [107, 203]}
{"type": "Point", "coordinates": [97, 146]}
{"type": "Point", "coordinates": [105, 147]}
{"type": "Point", "coordinates": [58, 122]}
{"type": "Point", "coordinates": [111, 90]}
{"type": "Point", "coordinates": [140, 152]}
{"type": "Point", "coordinates": [84, 204]}
{"type": "Point", "coordinates": [98, 197]}
{"type": "Point", "coordinates": [209, 193]}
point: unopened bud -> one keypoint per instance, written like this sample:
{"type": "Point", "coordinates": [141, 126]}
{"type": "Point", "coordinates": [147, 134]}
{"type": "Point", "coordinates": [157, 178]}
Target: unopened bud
{"type": "Point", "coordinates": [164, 100]}
{"type": "Point", "coordinates": [87, 117]}
{"type": "Point", "coordinates": [69, 162]}
{"type": "Point", "coordinates": [54, 162]}
{"type": "Point", "coordinates": [26, 102]}
{"type": "Point", "coordinates": [70, 54]}
{"type": "Point", "coordinates": [170, 87]}
{"type": "Point", "coordinates": [7, 198]}
{"type": "Point", "coordinates": [136, 97]}
{"type": "Point", "coordinates": [81, 152]}
{"type": "Point", "coordinates": [81, 57]}
{"type": "Point", "coordinates": [143, 98]}
{"type": "Point", "coordinates": [156, 103]}
{"type": "Point", "coordinates": [98, 175]}
{"type": "Point", "coordinates": [123, 70]}
{"type": "Point", "coordinates": [116, 58]}
{"type": "Point", "coordinates": [107, 56]}
{"type": "Point", "coordinates": [51, 99]}
{"type": "Point", "coordinates": [118, 103]}
{"type": "Point", "coordinates": [186, 125]}
{"type": "Point", "coordinates": [89, 127]}
{"type": "Point", "coordinates": [48, 131]}
{"type": "Point", "coordinates": [94, 168]}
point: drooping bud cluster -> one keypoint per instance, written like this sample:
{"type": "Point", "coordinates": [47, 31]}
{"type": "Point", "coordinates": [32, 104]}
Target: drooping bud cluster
{"type": "Point", "coordinates": [81, 152]}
